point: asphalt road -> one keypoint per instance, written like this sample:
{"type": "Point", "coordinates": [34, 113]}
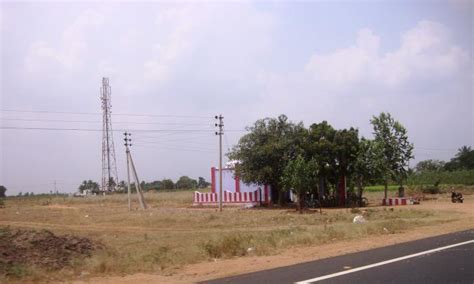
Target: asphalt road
{"type": "Point", "coordinates": [432, 263]}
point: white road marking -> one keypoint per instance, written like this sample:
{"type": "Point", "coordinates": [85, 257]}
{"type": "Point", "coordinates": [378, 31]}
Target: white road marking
{"type": "Point", "coordinates": [380, 263]}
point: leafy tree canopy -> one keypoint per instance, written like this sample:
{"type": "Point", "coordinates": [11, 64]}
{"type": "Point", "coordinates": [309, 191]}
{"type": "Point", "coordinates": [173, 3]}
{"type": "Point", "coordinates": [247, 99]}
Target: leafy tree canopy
{"type": "Point", "coordinates": [396, 149]}
{"type": "Point", "coordinates": [186, 182]}
{"type": "Point", "coordinates": [429, 165]}
{"type": "Point", "coordinates": [3, 191]}
{"type": "Point", "coordinates": [264, 153]}
{"type": "Point", "coordinates": [464, 160]}
{"type": "Point", "coordinates": [202, 183]}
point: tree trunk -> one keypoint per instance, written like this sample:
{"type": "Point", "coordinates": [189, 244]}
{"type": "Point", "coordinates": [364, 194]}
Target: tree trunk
{"type": "Point", "coordinates": [401, 190]}
{"type": "Point", "coordinates": [281, 198]}
{"type": "Point", "coordinates": [360, 190]}
{"type": "Point", "coordinates": [275, 193]}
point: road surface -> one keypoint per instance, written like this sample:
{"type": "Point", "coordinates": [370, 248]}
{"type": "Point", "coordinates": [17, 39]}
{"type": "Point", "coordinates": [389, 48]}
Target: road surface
{"type": "Point", "coordinates": [442, 259]}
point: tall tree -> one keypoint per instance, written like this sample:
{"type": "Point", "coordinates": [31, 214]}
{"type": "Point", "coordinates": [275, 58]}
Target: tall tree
{"type": "Point", "coordinates": [397, 150]}
{"type": "Point", "coordinates": [368, 164]}
{"type": "Point", "coordinates": [320, 146]}
{"type": "Point", "coordinates": [301, 176]}
{"type": "Point", "coordinates": [264, 153]}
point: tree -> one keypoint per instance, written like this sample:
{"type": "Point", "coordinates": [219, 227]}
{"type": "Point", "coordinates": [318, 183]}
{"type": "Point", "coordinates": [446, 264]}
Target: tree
{"type": "Point", "coordinates": [301, 176]}
{"type": "Point", "coordinates": [202, 183]}
{"type": "Point", "coordinates": [186, 182]}
{"type": "Point", "coordinates": [89, 185]}
{"type": "Point", "coordinates": [264, 153]}
{"type": "Point", "coordinates": [397, 150]}
{"type": "Point", "coordinates": [430, 165]}
{"type": "Point", "coordinates": [167, 184]}
{"type": "Point", "coordinates": [368, 164]}
{"type": "Point", "coordinates": [3, 191]}
{"type": "Point", "coordinates": [464, 160]}
{"type": "Point", "coordinates": [320, 146]}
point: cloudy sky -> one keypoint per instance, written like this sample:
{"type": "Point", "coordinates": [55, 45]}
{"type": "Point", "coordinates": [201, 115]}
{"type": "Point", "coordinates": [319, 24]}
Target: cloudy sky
{"type": "Point", "coordinates": [173, 66]}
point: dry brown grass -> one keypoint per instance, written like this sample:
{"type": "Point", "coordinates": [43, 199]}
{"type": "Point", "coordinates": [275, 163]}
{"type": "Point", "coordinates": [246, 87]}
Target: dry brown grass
{"type": "Point", "coordinates": [171, 233]}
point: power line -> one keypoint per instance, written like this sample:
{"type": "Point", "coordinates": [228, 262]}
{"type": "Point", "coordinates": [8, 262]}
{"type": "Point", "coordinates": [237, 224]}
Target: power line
{"type": "Point", "coordinates": [115, 130]}
{"type": "Point", "coordinates": [97, 121]}
{"type": "Point", "coordinates": [97, 113]}
{"type": "Point", "coordinates": [95, 130]}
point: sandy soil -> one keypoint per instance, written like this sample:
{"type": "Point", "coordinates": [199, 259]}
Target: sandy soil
{"type": "Point", "coordinates": [222, 268]}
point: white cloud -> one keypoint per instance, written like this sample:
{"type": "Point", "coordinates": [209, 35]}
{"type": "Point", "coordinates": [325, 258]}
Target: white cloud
{"type": "Point", "coordinates": [425, 52]}
{"type": "Point", "coordinates": [73, 44]}
{"type": "Point", "coordinates": [175, 28]}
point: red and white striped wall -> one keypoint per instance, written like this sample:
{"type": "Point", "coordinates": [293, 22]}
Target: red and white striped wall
{"type": "Point", "coordinates": [397, 201]}
{"type": "Point", "coordinates": [233, 198]}
{"type": "Point", "coordinates": [234, 191]}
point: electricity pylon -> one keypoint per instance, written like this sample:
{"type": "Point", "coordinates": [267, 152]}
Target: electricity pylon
{"type": "Point", "coordinates": [109, 166]}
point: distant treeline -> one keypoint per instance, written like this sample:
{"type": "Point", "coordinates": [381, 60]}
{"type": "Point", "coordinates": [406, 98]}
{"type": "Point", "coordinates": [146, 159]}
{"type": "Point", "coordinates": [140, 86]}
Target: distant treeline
{"type": "Point", "coordinates": [465, 177]}
{"type": "Point", "coordinates": [459, 170]}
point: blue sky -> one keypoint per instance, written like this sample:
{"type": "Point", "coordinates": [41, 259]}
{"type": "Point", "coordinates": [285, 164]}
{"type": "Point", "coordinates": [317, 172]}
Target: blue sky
{"type": "Point", "coordinates": [337, 61]}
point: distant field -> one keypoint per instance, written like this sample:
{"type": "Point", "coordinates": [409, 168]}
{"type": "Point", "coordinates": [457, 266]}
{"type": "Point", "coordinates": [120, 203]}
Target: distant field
{"type": "Point", "coordinates": [375, 188]}
{"type": "Point", "coordinates": [172, 233]}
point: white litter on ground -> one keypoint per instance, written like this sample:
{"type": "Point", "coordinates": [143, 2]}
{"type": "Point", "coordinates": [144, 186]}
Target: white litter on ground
{"type": "Point", "coordinates": [358, 219]}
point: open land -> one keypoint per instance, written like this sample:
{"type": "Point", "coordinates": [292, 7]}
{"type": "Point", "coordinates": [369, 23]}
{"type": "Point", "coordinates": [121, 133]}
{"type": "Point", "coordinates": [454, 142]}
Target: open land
{"type": "Point", "coordinates": [173, 242]}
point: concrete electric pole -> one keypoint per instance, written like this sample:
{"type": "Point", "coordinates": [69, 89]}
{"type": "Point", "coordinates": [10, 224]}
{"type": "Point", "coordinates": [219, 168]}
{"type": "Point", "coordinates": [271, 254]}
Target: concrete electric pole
{"type": "Point", "coordinates": [220, 118]}
{"type": "Point", "coordinates": [130, 163]}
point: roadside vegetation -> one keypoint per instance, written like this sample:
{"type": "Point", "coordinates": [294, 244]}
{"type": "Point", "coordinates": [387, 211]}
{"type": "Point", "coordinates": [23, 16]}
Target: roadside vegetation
{"type": "Point", "coordinates": [172, 234]}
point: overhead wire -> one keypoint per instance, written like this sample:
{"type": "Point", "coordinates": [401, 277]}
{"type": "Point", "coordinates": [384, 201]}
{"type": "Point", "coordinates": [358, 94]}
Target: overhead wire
{"type": "Point", "coordinates": [98, 113]}
{"type": "Point", "coordinates": [100, 130]}
{"type": "Point", "coordinates": [99, 121]}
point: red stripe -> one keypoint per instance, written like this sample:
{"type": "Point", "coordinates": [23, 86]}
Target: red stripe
{"type": "Point", "coordinates": [404, 202]}
{"type": "Point", "coordinates": [213, 180]}
{"type": "Point", "coordinates": [245, 196]}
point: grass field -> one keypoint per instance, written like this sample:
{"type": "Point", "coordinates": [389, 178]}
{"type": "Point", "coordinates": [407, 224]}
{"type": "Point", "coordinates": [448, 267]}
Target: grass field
{"type": "Point", "coordinates": [172, 233]}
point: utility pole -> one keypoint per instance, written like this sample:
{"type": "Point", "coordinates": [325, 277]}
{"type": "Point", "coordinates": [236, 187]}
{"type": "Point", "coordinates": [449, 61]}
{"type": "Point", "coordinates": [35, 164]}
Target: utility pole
{"type": "Point", "coordinates": [127, 151]}
{"type": "Point", "coordinates": [220, 118]}
{"type": "Point", "coordinates": [130, 163]}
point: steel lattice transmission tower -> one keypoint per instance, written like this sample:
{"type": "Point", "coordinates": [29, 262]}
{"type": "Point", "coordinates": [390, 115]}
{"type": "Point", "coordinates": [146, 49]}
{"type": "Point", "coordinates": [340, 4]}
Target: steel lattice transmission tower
{"type": "Point", "coordinates": [109, 166]}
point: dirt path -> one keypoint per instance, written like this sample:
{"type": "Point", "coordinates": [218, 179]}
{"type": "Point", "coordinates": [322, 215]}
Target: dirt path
{"type": "Point", "coordinates": [222, 268]}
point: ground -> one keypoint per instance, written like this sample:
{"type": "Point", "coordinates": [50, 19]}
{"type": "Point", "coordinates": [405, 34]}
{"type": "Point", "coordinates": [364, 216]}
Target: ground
{"type": "Point", "coordinates": [175, 243]}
